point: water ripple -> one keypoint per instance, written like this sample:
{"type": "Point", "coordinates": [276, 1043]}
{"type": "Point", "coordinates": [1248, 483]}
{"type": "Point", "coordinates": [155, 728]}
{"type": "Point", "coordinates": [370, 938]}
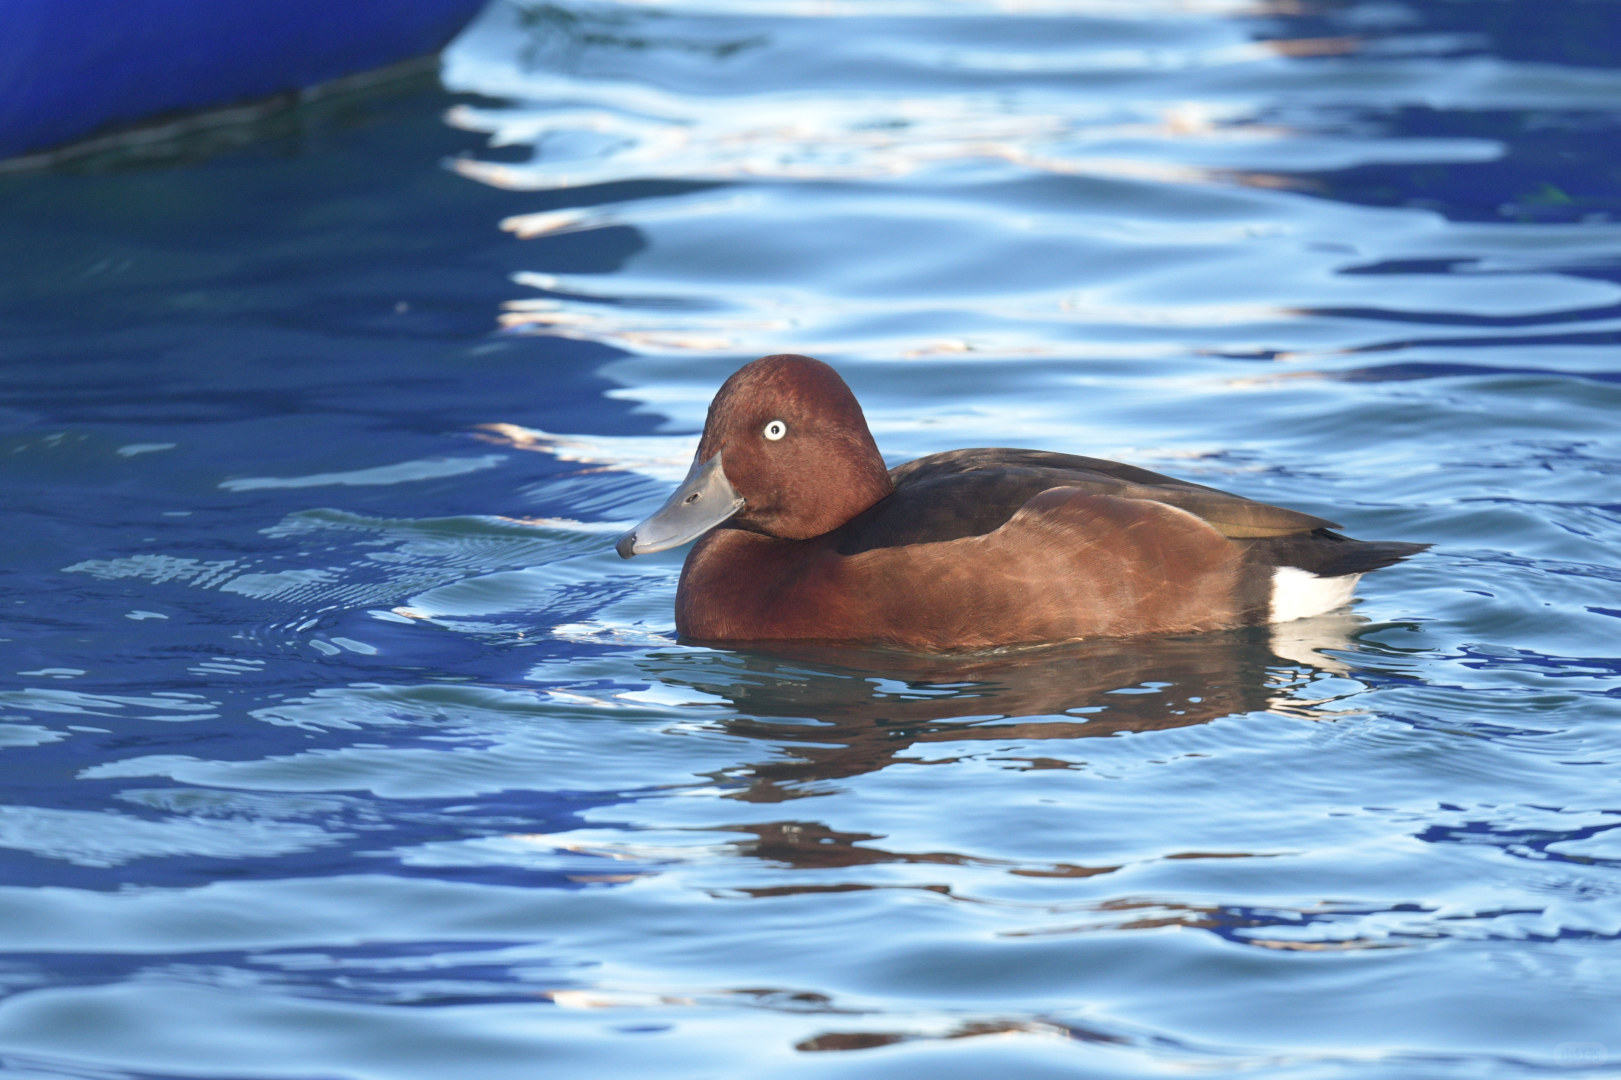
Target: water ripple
{"type": "Point", "coordinates": [337, 736]}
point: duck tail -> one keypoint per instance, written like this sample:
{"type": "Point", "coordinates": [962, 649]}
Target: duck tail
{"type": "Point", "coordinates": [1329, 554]}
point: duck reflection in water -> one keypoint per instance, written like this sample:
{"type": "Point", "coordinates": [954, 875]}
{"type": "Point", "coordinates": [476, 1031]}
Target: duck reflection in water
{"type": "Point", "coordinates": [832, 712]}
{"type": "Point", "coordinates": [814, 719]}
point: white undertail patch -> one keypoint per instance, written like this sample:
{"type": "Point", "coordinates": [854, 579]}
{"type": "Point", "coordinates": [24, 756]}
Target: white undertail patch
{"type": "Point", "coordinates": [1300, 594]}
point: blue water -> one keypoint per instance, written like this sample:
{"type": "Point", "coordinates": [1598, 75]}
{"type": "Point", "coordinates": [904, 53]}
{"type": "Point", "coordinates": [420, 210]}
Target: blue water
{"type": "Point", "coordinates": [337, 742]}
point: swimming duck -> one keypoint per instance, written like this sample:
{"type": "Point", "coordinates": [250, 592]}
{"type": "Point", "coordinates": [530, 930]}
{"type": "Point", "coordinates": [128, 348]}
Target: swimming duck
{"type": "Point", "coordinates": [804, 535]}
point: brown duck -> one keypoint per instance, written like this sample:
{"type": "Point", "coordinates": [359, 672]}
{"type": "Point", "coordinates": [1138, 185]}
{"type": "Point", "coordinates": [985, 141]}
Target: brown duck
{"type": "Point", "coordinates": [804, 535]}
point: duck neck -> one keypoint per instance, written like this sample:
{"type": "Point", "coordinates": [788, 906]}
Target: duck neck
{"type": "Point", "coordinates": [853, 483]}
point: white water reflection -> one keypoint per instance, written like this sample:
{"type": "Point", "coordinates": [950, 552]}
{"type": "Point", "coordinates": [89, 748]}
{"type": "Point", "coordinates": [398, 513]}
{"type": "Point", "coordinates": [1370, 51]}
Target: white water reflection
{"type": "Point", "coordinates": [404, 472]}
{"type": "Point", "coordinates": [998, 179]}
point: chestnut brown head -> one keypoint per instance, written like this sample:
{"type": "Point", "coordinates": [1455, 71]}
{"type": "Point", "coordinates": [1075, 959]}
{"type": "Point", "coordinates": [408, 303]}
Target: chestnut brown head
{"type": "Point", "coordinates": [785, 452]}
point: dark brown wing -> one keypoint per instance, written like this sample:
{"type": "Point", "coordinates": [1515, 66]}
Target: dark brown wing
{"type": "Point", "coordinates": [972, 492]}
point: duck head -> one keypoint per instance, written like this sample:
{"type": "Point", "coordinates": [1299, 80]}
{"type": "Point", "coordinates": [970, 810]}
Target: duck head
{"type": "Point", "coordinates": [785, 452]}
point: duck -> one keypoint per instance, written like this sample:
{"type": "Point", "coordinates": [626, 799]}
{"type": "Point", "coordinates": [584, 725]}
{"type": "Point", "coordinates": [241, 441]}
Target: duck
{"type": "Point", "coordinates": [804, 535]}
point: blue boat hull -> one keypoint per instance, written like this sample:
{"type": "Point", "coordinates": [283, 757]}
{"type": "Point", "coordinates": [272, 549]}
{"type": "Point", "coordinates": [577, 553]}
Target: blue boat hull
{"type": "Point", "coordinates": [73, 68]}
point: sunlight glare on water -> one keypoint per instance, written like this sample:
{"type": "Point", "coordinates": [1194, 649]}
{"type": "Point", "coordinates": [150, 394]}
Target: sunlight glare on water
{"type": "Point", "coordinates": [338, 741]}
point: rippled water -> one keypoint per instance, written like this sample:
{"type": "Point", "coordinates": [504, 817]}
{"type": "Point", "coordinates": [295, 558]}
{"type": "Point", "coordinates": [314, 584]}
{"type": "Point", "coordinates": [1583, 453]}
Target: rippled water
{"type": "Point", "coordinates": [338, 743]}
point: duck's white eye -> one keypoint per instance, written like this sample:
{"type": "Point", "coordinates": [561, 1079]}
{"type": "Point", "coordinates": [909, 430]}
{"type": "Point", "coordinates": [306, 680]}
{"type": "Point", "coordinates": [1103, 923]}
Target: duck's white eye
{"type": "Point", "coordinates": [775, 430]}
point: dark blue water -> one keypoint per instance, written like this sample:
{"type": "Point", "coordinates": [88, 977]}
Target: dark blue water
{"type": "Point", "coordinates": [337, 742]}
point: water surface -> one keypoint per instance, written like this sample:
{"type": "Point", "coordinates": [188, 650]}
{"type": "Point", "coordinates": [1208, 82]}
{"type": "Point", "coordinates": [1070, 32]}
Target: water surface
{"type": "Point", "coordinates": [338, 742]}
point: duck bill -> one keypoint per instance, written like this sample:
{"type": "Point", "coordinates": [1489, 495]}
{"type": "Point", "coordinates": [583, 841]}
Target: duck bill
{"type": "Point", "coordinates": [704, 499]}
